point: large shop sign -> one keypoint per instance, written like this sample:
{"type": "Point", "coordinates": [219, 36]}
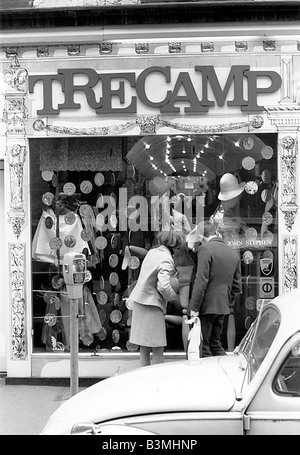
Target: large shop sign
{"type": "Point", "coordinates": [194, 92]}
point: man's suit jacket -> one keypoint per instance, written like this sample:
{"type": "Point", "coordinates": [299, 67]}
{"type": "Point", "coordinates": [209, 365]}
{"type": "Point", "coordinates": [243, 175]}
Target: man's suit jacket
{"type": "Point", "coordinates": [218, 278]}
{"type": "Point", "coordinates": [153, 285]}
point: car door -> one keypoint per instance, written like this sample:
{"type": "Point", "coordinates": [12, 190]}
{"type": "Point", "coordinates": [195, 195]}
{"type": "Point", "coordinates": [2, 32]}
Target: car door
{"type": "Point", "coordinates": [275, 409]}
{"type": "Point", "coordinates": [187, 423]}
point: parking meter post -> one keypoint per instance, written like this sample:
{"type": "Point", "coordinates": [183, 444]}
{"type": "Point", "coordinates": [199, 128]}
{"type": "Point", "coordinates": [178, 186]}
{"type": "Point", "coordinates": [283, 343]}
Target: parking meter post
{"type": "Point", "coordinates": [74, 346]}
{"type": "Point", "coordinates": [74, 270]}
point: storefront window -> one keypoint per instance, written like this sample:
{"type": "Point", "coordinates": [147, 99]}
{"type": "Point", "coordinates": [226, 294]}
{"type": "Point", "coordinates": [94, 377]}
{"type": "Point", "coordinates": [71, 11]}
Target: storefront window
{"type": "Point", "coordinates": [108, 196]}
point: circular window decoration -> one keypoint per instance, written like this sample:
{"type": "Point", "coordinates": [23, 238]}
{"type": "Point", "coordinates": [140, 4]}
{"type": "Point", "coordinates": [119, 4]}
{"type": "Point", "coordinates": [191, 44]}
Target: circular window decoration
{"type": "Point", "coordinates": [99, 179]}
{"type": "Point", "coordinates": [134, 263]}
{"type": "Point", "coordinates": [48, 222]}
{"type": "Point", "coordinates": [267, 152]}
{"type": "Point", "coordinates": [102, 334]}
{"type": "Point", "coordinates": [102, 282]}
{"type": "Point", "coordinates": [114, 241]}
{"type": "Point", "coordinates": [87, 339]}
{"type": "Point", "coordinates": [248, 257]}
{"type": "Point", "coordinates": [250, 303]}
{"type": "Point", "coordinates": [268, 254]}
{"type": "Point", "coordinates": [69, 188]}
{"type": "Point", "coordinates": [130, 171]}
{"type": "Point", "coordinates": [114, 298]}
{"type": "Point", "coordinates": [54, 180]}
{"type": "Point", "coordinates": [47, 198]}
{"type": "Point", "coordinates": [113, 278]}
{"type": "Point", "coordinates": [113, 260]}
{"type": "Point", "coordinates": [266, 195]}
{"type": "Point", "coordinates": [100, 221]}
{"type": "Point", "coordinates": [85, 210]}
{"type": "Point", "coordinates": [100, 201]}
{"type": "Point", "coordinates": [113, 220]}
{"type": "Point", "coordinates": [101, 297]}
{"type": "Point", "coordinates": [267, 218]}
{"type": "Point", "coordinates": [268, 235]}
{"type": "Point", "coordinates": [70, 241]}
{"type": "Point", "coordinates": [102, 316]}
{"type": "Point", "coordinates": [86, 187]}
{"type": "Point", "coordinates": [70, 218]}
{"type": "Point", "coordinates": [47, 175]}
{"type": "Point", "coordinates": [248, 163]}
{"type": "Point", "coordinates": [115, 316]}
{"type": "Point", "coordinates": [101, 242]}
{"type": "Point", "coordinates": [86, 234]}
{"type": "Point", "coordinates": [50, 319]}
{"type": "Point", "coordinates": [251, 187]}
{"type": "Point", "coordinates": [266, 176]}
{"type": "Point", "coordinates": [251, 234]}
{"type": "Point", "coordinates": [55, 243]}
{"type": "Point", "coordinates": [115, 336]}
{"type": "Point", "coordinates": [248, 143]}
{"type": "Point", "coordinates": [112, 179]}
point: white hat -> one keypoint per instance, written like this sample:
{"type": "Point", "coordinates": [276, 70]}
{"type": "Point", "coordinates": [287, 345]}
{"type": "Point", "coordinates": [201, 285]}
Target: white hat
{"type": "Point", "coordinates": [158, 186]}
{"type": "Point", "coordinates": [230, 188]}
{"type": "Point", "coordinates": [196, 235]}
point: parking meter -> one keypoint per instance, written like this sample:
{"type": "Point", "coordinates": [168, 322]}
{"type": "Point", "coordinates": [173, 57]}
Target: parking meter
{"type": "Point", "coordinates": [74, 270]}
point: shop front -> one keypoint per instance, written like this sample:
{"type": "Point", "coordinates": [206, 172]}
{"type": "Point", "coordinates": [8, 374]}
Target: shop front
{"type": "Point", "coordinates": [103, 141]}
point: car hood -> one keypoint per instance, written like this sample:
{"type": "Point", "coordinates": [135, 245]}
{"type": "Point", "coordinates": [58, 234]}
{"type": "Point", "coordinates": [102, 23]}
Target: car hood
{"type": "Point", "coordinates": [176, 386]}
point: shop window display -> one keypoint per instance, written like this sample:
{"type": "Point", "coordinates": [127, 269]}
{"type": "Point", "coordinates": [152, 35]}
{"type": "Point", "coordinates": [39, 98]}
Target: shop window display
{"type": "Point", "coordinates": [107, 197]}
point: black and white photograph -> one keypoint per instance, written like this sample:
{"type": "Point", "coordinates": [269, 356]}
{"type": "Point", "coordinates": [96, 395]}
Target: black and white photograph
{"type": "Point", "coordinates": [149, 254]}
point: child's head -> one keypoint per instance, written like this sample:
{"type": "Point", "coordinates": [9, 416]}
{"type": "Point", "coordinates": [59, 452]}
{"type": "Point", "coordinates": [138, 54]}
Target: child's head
{"type": "Point", "coordinates": [171, 238]}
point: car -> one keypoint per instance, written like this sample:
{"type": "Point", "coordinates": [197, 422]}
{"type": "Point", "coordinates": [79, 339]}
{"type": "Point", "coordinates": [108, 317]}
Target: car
{"type": "Point", "coordinates": [253, 390]}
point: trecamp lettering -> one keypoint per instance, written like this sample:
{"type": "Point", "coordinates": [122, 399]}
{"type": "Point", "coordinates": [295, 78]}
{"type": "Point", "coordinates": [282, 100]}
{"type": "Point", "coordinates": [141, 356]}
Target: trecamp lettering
{"type": "Point", "coordinates": [194, 98]}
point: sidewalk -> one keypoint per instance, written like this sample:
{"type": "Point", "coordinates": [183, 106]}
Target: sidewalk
{"type": "Point", "coordinates": [26, 407]}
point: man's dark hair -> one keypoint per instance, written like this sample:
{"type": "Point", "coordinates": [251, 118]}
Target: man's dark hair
{"type": "Point", "coordinates": [209, 229]}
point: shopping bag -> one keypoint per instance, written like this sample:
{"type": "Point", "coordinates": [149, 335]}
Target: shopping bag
{"type": "Point", "coordinates": [194, 344]}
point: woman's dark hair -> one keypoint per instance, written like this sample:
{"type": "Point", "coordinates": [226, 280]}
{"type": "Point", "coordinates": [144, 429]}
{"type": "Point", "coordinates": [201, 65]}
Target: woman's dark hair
{"type": "Point", "coordinates": [171, 238]}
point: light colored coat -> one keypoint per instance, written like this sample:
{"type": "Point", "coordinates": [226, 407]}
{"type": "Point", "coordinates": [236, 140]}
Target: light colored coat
{"type": "Point", "coordinates": [153, 286]}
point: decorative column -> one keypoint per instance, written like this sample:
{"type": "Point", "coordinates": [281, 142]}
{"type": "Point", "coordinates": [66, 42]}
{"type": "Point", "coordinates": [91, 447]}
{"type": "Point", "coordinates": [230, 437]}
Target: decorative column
{"type": "Point", "coordinates": [15, 116]}
{"type": "Point", "coordinates": [286, 117]}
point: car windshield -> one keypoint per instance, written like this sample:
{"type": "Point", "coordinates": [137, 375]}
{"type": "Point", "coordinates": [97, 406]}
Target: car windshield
{"type": "Point", "coordinates": [257, 341]}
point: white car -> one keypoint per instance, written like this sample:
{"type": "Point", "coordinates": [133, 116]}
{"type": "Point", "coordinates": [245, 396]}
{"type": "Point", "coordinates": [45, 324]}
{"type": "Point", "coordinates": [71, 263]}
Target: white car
{"type": "Point", "coordinates": [254, 390]}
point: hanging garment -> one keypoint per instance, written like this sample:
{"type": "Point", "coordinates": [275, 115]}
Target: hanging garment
{"type": "Point", "coordinates": [41, 249]}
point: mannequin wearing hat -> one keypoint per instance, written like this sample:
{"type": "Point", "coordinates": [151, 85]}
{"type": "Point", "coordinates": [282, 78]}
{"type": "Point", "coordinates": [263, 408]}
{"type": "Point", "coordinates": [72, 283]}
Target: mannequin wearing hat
{"type": "Point", "coordinates": [229, 225]}
{"type": "Point", "coordinates": [226, 217]}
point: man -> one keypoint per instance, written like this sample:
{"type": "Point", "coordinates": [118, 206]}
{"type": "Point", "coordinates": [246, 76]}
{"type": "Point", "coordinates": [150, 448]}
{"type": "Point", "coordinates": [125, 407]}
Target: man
{"type": "Point", "coordinates": [216, 286]}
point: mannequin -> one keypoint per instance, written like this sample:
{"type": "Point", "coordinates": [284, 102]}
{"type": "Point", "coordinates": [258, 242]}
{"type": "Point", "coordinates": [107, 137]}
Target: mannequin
{"type": "Point", "coordinates": [228, 222]}
{"type": "Point", "coordinates": [226, 217]}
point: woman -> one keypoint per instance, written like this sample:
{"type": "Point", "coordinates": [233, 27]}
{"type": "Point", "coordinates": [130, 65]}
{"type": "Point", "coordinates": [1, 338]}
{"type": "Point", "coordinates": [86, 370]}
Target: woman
{"type": "Point", "coordinates": [149, 297]}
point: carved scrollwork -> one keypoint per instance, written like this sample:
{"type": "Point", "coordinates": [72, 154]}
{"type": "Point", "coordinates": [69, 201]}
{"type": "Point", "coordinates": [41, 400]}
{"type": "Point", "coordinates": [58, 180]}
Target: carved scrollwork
{"type": "Point", "coordinates": [288, 160]}
{"type": "Point", "coordinates": [18, 305]}
{"type": "Point", "coordinates": [147, 123]}
{"type": "Point", "coordinates": [15, 76]}
{"type": "Point", "coordinates": [16, 155]}
{"type": "Point", "coordinates": [290, 278]}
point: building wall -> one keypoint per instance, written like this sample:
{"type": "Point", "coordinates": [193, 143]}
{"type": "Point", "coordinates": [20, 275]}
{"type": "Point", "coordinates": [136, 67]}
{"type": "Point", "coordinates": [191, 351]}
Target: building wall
{"type": "Point", "coordinates": [277, 49]}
